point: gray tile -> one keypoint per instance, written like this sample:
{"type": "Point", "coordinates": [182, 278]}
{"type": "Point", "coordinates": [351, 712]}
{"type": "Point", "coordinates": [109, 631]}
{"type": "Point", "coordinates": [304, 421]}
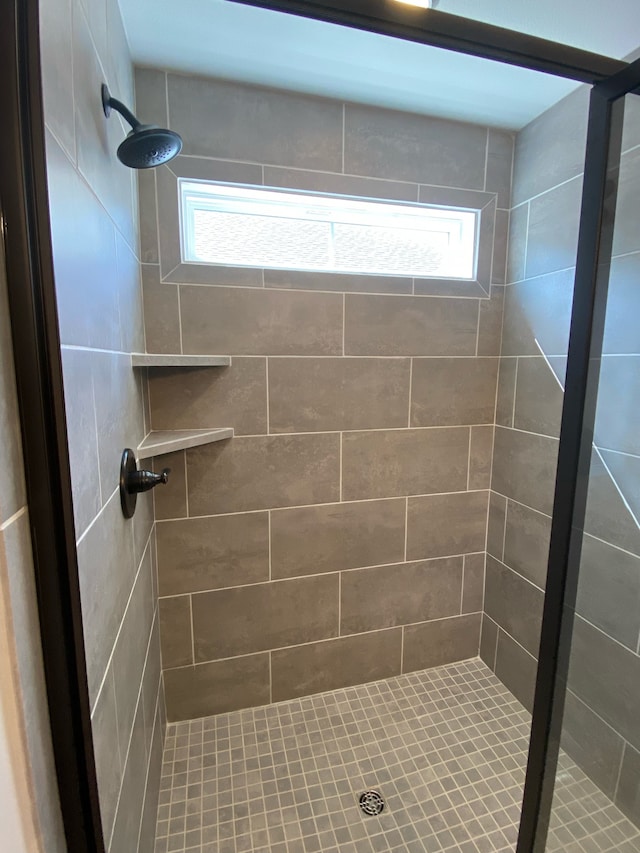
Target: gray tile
{"type": "Point", "coordinates": [81, 435]}
{"type": "Point", "coordinates": [609, 590]}
{"type": "Point", "coordinates": [314, 668]}
{"type": "Point", "coordinates": [444, 525]}
{"type": "Point", "coordinates": [473, 583]}
{"type": "Point", "coordinates": [119, 413]}
{"type": "Point", "coordinates": [129, 815]}
{"type": "Point", "coordinates": [514, 604]}
{"type": "Point", "coordinates": [264, 616]}
{"type": "Point", "coordinates": [150, 807]}
{"type": "Point", "coordinates": [625, 237]}
{"type": "Point", "coordinates": [214, 688]}
{"type": "Point", "coordinates": [617, 410]}
{"type": "Point", "coordinates": [410, 325]}
{"type": "Point", "coordinates": [202, 398]}
{"type": "Point", "coordinates": [171, 500]}
{"type": "Point", "coordinates": [499, 165]}
{"type": "Point", "coordinates": [526, 543]}
{"type": "Point", "coordinates": [608, 515]}
{"type": "Point", "coordinates": [151, 692]}
{"type": "Point", "coordinates": [57, 77]}
{"type": "Point", "coordinates": [130, 649]}
{"type": "Point", "coordinates": [255, 124]}
{"type": "Point", "coordinates": [480, 457]}
{"type": "Point", "coordinates": [490, 322]}
{"type": "Point", "coordinates": [500, 248]}
{"type": "Point", "coordinates": [106, 572]}
{"type": "Point", "coordinates": [592, 744]}
{"type": "Point", "coordinates": [340, 282]}
{"type": "Point", "coordinates": [621, 334]}
{"type": "Point", "coordinates": [484, 258]}
{"type": "Point", "coordinates": [395, 595]}
{"type": "Point", "coordinates": [148, 212]}
{"type": "Point", "coordinates": [628, 793]}
{"type": "Point", "coordinates": [314, 395]}
{"type": "Point", "coordinates": [605, 676]}
{"type": "Point", "coordinates": [625, 472]}
{"type": "Point", "coordinates": [329, 182]}
{"type": "Point", "coordinates": [161, 312]}
{"type": "Point", "coordinates": [506, 391]}
{"type": "Point", "coordinates": [97, 140]}
{"type": "Point", "coordinates": [488, 641]}
{"type": "Point", "coordinates": [496, 526]}
{"type": "Point", "coordinates": [391, 463]}
{"type": "Point", "coordinates": [130, 301]}
{"type": "Point", "coordinates": [198, 554]}
{"type": "Point", "coordinates": [549, 247]}
{"type": "Point", "coordinates": [524, 468]}
{"type": "Point", "coordinates": [151, 96]}
{"type": "Point", "coordinates": [407, 147]}
{"type": "Point", "coordinates": [260, 322]}
{"type": "Point", "coordinates": [440, 642]}
{"type": "Point", "coordinates": [330, 538]}
{"type": "Point", "coordinates": [451, 391]}
{"type": "Point", "coordinates": [517, 669]}
{"type": "Point", "coordinates": [104, 728]}
{"type": "Point", "coordinates": [175, 631]}
{"type": "Point", "coordinates": [263, 472]}
{"type": "Point", "coordinates": [539, 398]}
{"type": "Point", "coordinates": [538, 310]}
{"type": "Point", "coordinates": [517, 254]}
{"type": "Point", "coordinates": [551, 148]}
{"type": "Point", "coordinates": [86, 298]}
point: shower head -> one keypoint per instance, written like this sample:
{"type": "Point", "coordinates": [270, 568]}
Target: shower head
{"type": "Point", "coordinates": [146, 145]}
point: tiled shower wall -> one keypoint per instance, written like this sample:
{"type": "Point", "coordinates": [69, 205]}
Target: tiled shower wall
{"type": "Point", "coordinates": [601, 727]}
{"type": "Point", "coordinates": [340, 536]}
{"type": "Point", "coordinates": [93, 204]}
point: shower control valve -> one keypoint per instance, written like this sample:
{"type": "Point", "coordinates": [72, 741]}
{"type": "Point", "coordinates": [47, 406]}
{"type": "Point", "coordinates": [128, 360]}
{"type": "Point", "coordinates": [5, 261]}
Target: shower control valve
{"type": "Point", "coordinates": [133, 481]}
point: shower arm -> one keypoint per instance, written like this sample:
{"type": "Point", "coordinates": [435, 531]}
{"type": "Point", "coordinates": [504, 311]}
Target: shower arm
{"type": "Point", "coordinates": [109, 103]}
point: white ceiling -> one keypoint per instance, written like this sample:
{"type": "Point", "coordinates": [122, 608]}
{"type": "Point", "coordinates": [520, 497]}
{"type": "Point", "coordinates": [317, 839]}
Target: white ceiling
{"type": "Point", "coordinates": [224, 39]}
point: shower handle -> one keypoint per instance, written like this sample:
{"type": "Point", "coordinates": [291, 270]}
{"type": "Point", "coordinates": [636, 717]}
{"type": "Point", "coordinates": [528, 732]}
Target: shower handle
{"type": "Point", "coordinates": [133, 481]}
{"type": "Point", "coordinates": [143, 481]}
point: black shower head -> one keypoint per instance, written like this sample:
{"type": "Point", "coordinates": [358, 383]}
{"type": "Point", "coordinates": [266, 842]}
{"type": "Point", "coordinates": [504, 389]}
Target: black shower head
{"type": "Point", "coordinates": [146, 145]}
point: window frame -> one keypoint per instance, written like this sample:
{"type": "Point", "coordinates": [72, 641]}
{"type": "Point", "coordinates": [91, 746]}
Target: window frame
{"type": "Point", "coordinates": [333, 209]}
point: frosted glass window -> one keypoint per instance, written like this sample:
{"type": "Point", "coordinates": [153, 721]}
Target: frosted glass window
{"type": "Point", "coordinates": [255, 227]}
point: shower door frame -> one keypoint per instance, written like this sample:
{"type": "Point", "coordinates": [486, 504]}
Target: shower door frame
{"type": "Point", "coordinates": [33, 315]}
{"type": "Point", "coordinates": [590, 297]}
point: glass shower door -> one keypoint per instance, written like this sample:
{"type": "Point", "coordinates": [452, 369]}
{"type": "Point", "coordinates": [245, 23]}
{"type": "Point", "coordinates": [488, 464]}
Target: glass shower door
{"type": "Point", "coordinates": [583, 779]}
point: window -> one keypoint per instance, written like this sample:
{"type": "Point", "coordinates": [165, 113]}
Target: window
{"type": "Point", "coordinates": [255, 227]}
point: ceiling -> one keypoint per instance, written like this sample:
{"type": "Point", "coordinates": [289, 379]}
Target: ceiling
{"type": "Point", "coordinates": [223, 39]}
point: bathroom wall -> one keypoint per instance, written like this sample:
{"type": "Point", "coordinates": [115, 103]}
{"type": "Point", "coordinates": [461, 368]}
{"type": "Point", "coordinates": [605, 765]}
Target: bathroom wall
{"type": "Point", "coordinates": [93, 202]}
{"type": "Point", "coordinates": [601, 728]}
{"type": "Point", "coordinates": [339, 537]}
{"type": "Point", "coordinates": [30, 811]}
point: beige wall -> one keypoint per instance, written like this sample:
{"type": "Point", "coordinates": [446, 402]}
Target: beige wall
{"type": "Point", "coordinates": [93, 202]}
{"type": "Point", "coordinates": [340, 536]}
{"type": "Point", "coordinates": [30, 811]}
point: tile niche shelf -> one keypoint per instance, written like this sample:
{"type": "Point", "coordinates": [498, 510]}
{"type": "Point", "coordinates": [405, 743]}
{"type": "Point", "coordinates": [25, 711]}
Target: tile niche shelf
{"type": "Point", "coordinates": [159, 442]}
{"type": "Point", "coordinates": [143, 359]}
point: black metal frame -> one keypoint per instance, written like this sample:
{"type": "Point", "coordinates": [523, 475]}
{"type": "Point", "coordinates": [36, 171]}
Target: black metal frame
{"type": "Point", "coordinates": [25, 219]}
{"type": "Point", "coordinates": [36, 345]}
{"type": "Point", "coordinates": [599, 195]}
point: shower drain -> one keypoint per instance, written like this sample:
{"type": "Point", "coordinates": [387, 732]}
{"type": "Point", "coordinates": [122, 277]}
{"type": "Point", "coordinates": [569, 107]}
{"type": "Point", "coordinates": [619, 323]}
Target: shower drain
{"type": "Point", "coordinates": [371, 802]}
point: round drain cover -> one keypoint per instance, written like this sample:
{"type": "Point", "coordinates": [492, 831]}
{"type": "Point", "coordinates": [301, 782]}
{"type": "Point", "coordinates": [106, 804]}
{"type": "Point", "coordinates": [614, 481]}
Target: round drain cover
{"type": "Point", "coordinates": [371, 802]}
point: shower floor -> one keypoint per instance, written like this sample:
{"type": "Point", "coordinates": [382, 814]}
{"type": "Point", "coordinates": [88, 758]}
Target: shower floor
{"type": "Point", "coordinates": [446, 748]}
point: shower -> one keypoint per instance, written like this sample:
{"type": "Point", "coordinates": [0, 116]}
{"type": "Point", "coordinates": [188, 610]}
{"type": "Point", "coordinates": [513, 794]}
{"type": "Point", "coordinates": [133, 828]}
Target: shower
{"type": "Point", "coordinates": [146, 145]}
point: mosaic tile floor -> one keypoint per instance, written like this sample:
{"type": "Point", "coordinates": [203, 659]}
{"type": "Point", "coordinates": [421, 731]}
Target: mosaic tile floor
{"type": "Point", "coordinates": [446, 748]}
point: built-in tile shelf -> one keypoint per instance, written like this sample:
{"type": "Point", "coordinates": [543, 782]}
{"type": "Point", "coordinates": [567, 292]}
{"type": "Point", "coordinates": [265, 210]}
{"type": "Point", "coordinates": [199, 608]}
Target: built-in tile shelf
{"type": "Point", "coordinates": [163, 441]}
{"type": "Point", "coordinates": [142, 359]}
